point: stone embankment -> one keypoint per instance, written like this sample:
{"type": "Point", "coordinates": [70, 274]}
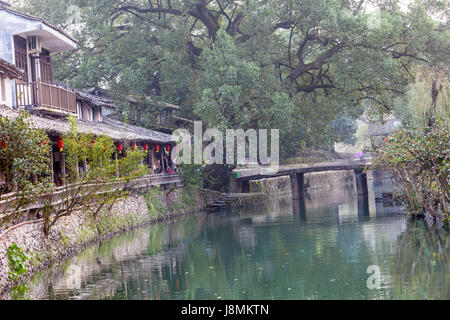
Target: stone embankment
{"type": "Point", "coordinates": [75, 232]}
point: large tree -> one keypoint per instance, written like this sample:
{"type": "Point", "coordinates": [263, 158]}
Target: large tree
{"type": "Point", "coordinates": [287, 64]}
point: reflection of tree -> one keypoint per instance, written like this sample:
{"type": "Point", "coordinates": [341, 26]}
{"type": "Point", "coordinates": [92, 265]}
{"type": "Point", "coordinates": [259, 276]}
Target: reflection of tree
{"type": "Point", "coordinates": [422, 268]}
{"type": "Point", "coordinates": [257, 256]}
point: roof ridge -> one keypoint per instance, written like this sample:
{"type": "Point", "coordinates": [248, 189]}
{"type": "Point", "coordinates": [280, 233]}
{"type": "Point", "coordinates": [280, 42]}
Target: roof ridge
{"type": "Point", "coordinates": [6, 7]}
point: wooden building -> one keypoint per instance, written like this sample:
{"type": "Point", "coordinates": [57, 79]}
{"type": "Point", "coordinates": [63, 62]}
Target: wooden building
{"type": "Point", "coordinates": [8, 72]}
{"type": "Point", "coordinates": [26, 47]}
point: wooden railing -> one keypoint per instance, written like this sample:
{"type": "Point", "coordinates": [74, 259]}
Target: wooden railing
{"type": "Point", "coordinates": [40, 94]}
{"type": "Point", "coordinates": [60, 194]}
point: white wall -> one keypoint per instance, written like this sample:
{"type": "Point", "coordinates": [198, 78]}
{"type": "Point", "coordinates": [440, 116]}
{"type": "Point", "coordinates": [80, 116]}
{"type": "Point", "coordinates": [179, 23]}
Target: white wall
{"type": "Point", "coordinates": [8, 95]}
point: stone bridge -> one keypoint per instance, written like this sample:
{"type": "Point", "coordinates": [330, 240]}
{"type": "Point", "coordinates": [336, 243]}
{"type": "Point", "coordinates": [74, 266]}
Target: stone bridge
{"type": "Point", "coordinates": [239, 182]}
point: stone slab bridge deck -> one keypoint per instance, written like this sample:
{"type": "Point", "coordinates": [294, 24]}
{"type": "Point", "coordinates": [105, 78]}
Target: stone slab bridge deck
{"type": "Point", "coordinates": [240, 177]}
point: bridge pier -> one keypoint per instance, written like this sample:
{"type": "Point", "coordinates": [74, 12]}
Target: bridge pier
{"type": "Point", "coordinates": [297, 185]}
{"type": "Point", "coordinates": [361, 183]}
{"type": "Point", "coordinates": [299, 210]}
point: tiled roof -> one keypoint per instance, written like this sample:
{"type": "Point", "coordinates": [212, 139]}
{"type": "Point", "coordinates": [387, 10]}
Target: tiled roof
{"type": "Point", "coordinates": [11, 70]}
{"type": "Point", "coordinates": [115, 129]}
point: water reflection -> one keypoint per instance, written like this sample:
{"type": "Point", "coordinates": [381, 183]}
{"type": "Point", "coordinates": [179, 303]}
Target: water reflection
{"type": "Point", "coordinates": [316, 249]}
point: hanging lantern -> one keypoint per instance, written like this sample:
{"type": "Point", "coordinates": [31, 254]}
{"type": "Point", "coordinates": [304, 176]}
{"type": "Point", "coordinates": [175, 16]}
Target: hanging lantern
{"type": "Point", "coordinates": [167, 147]}
{"type": "Point", "coordinates": [133, 146]}
{"type": "Point", "coordinates": [157, 148]}
{"type": "Point", "coordinates": [145, 146]}
{"type": "Point", "coordinates": [60, 144]}
{"type": "Point", "coordinates": [119, 147]}
{"type": "Point", "coordinates": [4, 144]}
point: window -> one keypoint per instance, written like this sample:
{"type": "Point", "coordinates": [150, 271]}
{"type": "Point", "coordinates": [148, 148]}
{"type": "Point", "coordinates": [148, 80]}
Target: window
{"type": "Point", "coordinates": [86, 112]}
{"type": "Point", "coordinates": [97, 114]}
{"type": "Point", "coordinates": [45, 63]}
{"type": "Point", "coordinates": [20, 52]}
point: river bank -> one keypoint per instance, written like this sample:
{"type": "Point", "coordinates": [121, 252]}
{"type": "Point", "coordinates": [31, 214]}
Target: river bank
{"type": "Point", "coordinates": [72, 234]}
{"type": "Point", "coordinates": [271, 252]}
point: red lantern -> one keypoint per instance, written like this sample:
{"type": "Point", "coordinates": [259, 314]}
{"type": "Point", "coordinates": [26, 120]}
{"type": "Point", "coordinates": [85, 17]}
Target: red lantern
{"type": "Point", "coordinates": [60, 144]}
{"type": "Point", "coordinates": [133, 146]}
{"type": "Point", "coordinates": [4, 144]}
{"type": "Point", "coordinates": [157, 148]}
{"type": "Point", "coordinates": [167, 147]}
{"type": "Point", "coordinates": [119, 147]}
{"type": "Point", "coordinates": [145, 146]}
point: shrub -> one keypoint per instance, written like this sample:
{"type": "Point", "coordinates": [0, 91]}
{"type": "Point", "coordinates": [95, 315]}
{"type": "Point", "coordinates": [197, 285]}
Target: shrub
{"type": "Point", "coordinates": [17, 262]}
{"type": "Point", "coordinates": [25, 162]}
{"type": "Point", "coordinates": [418, 158]}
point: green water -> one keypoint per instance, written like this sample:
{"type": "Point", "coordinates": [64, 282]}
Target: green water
{"type": "Point", "coordinates": [320, 251]}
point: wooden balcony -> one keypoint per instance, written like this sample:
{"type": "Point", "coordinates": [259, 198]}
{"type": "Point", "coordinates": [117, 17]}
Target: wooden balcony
{"type": "Point", "coordinates": [46, 97]}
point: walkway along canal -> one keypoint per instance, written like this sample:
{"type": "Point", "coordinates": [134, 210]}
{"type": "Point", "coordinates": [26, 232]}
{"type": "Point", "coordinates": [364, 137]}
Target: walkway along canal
{"type": "Point", "coordinates": [319, 250]}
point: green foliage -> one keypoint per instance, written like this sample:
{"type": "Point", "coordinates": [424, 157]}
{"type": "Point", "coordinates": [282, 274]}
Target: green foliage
{"type": "Point", "coordinates": [96, 179]}
{"type": "Point", "coordinates": [24, 161]}
{"type": "Point", "coordinates": [290, 65]}
{"type": "Point", "coordinates": [153, 201]}
{"type": "Point", "coordinates": [419, 161]}
{"type": "Point", "coordinates": [24, 152]}
{"type": "Point", "coordinates": [342, 129]}
{"type": "Point", "coordinates": [417, 106]}
{"type": "Point", "coordinates": [17, 262]}
{"type": "Point", "coordinates": [131, 166]}
{"type": "Point", "coordinates": [97, 153]}
{"type": "Point", "coordinates": [19, 292]}
{"type": "Point", "coordinates": [230, 94]}
{"type": "Point", "coordinates": [188, 197]}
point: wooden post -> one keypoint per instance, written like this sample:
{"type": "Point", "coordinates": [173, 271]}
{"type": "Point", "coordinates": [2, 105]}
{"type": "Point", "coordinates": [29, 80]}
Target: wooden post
{"type": "Point", "coordinates": [84, 163]}
{"type": "Point", "coordinates": [51, 164]}
{"type": "Point", "coordinates": [63, 168]}
{"type": "Point", "coordinates": [170, 159]}
{"type": "Point", "coordinates": [153, 158]}
{"type": "Point", "coordinates": [163, 167]}
{"type": "Point", "coordinates": [77, 169]}
{"type": "Point", "coordinates": [117, 164]}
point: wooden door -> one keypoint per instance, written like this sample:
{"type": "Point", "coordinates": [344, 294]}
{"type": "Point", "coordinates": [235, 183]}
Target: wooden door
{"type": "Point", "coordinates": [20, 53]}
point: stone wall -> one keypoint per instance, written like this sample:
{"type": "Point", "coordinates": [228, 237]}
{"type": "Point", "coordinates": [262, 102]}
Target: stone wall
{"type": "Point", "coordinates": [247, 200]}
{"type": "Point", "coordinates": [73, 233]}
{"type": "Point", "coordinates": [279, 186]}
{"type": "Point", "coordinates": [329, 180]}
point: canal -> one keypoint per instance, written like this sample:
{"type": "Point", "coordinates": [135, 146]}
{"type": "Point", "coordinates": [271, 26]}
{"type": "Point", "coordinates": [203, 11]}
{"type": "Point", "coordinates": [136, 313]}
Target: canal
{"type": "Point", "coordinates": [326, 248]}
